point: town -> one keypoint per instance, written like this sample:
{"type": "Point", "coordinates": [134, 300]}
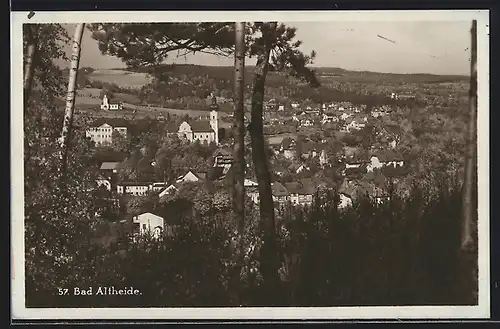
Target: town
{"type": "Point", "coordinates": [326, 141]}
{"type": "Point", "coordinates": [288, 179]}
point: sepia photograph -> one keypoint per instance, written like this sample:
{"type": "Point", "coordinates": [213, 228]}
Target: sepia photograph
{"type": "Point", "coordinates": [250, 165]}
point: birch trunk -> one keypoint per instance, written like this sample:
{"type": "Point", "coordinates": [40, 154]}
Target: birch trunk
{"type": "Point", "coordinates": [70, 100]}
{"type": "Point", "coordinates": [239, 154]}
{"type": "Point", "coordinates": [469, 188]}
{"type": "Point", "coordinates": [29, 65]}
{"type": "Point", "coordinates": [269, 253]}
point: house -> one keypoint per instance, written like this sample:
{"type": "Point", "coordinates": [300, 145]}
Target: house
{"type": "Point", "coordinates": [385, 158]}
{"type": "Point", "coordinates": [223, 158]}
{"type": "Point", "coordinates": [169, 190]}
{"type": "Point", "coordinates": [102, 129]}
{"type": "Point", "coordinates": [345, 115]}
{"type": "Point", "coordinates": [250, 183]}
{"type": "Point", "coordinates": [393, 158]}
{"type": "Point", "coordinates": [288, 147]}
{"type": "Point", "coordinates": [110, 104]}
{"type": "Point", "coordinates": [372, 191]}
{"type": "Point", "coordinates": [356, 123]}
{"type": "Point", "coordinates": [149, 224]}
{"type": "Point", "coordinates": [307, 122]}
{"type": "Point", "coordinates": [191, 176]}
{"type": "Point", "coordinates": [345, 201]}
{"type": "Point", "coordinates": [355, 161]}
{"type": "Point", "coordinates": [158, 186]}
{"type": "Point", "coordinates": [377, 161]}
{"type": "Point", "coordinates": [252, 190]}
{"type": "Point", "coordinates": [133, 188]}
{"type": "Point", "coordinates": [309, 150]}
{"type": "Point", "coordinates": [202, 130]}
{"type": "Point", "coordinates": [300, 193]}
{"type": "Point", "coordinates": [111, 167]}
{"type": "Point", "coordinates": [298, 168]}
{"type": "Point", "coordinates": [280, 193]}
{"type": "Point", "coordinates": [329, 119]}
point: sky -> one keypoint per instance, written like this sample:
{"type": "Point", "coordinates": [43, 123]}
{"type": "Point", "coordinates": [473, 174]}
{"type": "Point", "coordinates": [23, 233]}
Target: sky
{"type": "Point", "coordinates": [414, 47]}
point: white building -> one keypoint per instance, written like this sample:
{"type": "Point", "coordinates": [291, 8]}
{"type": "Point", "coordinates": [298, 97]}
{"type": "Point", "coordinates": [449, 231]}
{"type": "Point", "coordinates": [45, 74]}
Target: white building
{"type": "Point", "coordinates": [345, 201]}
{"type": "Point", "coordinates": [151, 224]}
{"type": "Point", "coordinates": [106, 105]}
{"type": "Point", "coordinates": [101, 130]}
{"type": "Point", "coordinates": [133, 188]}
{"type": "Point", "coordinates": [169, 190]}
{"type": "Point", "coordinates": [202, 130]}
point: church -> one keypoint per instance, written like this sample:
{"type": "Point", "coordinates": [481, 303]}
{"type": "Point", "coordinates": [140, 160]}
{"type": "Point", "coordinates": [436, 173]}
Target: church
{"type": "Point", "coordinates": [109, 105]}
{"type": "Point", "coordinates": [205, 131]}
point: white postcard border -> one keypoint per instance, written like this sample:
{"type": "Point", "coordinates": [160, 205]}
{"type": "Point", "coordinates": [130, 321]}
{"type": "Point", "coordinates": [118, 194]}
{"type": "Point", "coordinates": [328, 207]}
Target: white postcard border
{"type": "Point", "coordinates": [19, 311]}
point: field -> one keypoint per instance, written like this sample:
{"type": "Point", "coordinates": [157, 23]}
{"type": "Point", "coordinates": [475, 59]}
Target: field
{"type": "Point", "coordinates": [88, 100]}
{"type": "Point", "coordinates": [123, 78]}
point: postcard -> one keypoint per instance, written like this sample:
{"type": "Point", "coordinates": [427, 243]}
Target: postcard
{"type": "Point", "coordinates": [276, 165]}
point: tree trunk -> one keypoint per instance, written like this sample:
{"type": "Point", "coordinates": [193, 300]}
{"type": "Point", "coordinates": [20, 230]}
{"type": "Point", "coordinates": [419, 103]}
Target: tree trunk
{"type": "Point", "coordinates": [70, 100]}
{"type": "Point", "coordinates": [239, 154]}
{"type": "Point", "coordinates": [269, 253]}
{"type": "Point", "coordinates": [29, 65]}
{"type": "Point", "coordinates": [467, 288]}
{"type": "Point", "coordinates": [469, 188]}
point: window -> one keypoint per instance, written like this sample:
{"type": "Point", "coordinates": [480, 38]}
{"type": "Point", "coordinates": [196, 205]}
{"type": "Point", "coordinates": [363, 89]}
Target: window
{"type": "Point", "coordinates": [144, 227]}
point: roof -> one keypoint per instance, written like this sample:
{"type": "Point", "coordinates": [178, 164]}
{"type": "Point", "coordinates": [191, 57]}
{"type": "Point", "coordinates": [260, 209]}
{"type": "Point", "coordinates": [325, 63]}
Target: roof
{"type": "Point", "coordinates": [393, 155]}
{"type": "Point", "coordinates": [307, 186]}
{"type": "Point", "coordinates": [124, 183]}
{"type": "Point", "coordinates": [294, 187]}
{"type": "Point", "coordinates": [148, 213]}
{"type": "Point", "coordinates": [249, 183]}
{"type": "Point", "coordinates": [201, 126]}
{"type": "Point", "coordinates": [287, 142]}
{"type": "Point", "coordinates": [390, 171]}
{"type": "Point", "coordinates": [109, 165]}
{"type": "Point", "coordinates": [355, 171]}
{"type": "Point", "coordinates": [279, 189]}
{"type": "Point", "coordinates": [225, 151]}
{"type": "Point", "coordinates": [171, 127]}
{"type": "Point", "coordinates": [113, 122]}
{"type": "Point", "coordinates": [357, 158]}
{"type": "Point", "coordinates": [308, 147]}
{"type": "Point", "coordinates": [201, 175]}
{"type": "Point", "coordinates": [278, 168]}
{"type": "Point", "coordinates": [347, 190]}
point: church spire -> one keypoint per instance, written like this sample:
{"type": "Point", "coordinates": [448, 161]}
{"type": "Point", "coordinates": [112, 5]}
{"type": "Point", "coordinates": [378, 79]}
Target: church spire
{"type": "Point", "coordinates": [214, 106]}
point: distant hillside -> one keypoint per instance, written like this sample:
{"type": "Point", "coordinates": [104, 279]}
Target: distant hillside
{"type": "Point", "coordinates": [226, 72]}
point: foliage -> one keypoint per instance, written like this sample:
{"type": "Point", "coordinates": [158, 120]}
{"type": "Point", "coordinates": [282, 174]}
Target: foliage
{"type": "Point", "coordinates": [399, 253]}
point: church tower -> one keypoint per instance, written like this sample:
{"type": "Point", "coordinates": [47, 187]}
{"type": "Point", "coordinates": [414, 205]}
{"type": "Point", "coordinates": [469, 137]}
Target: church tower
{"type": "Point", "coordinates": [214, 118]}
{"type": "Point", "coordinates": [105, 103]}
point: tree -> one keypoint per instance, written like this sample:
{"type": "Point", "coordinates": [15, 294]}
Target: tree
{"type": "Point", "coordinates": [158, 40]}
{"type": "Point", "coordinates": [119, 142]}
{"type": "Point", "coordinates": [30, 58]}
{"type": "Point", "coordinates": [239, 146]}
{"type": "Point", "coordinates": [273, 45]}
{"type": "Point", "coordinates": [470, 178]}
{"type": "Point", "coordinates": [60, 215]}
{"type": "Point", "coordinates": [70, 101]}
